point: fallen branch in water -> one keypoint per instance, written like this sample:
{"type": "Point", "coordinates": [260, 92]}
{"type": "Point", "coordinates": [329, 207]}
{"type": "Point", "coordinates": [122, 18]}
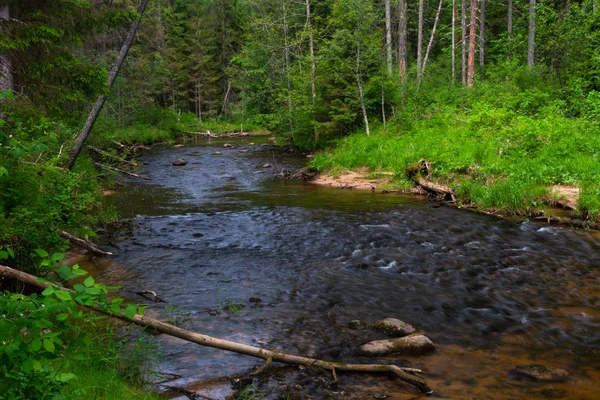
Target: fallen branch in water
{"type": "Point", "coordinates": [112, 156]}
{"type": "Point", "coordinates": [89, 246]}
{"type": "Point", "coordinates": [123, 171]}
{"type": "Point", "coordinates": [204, 340]}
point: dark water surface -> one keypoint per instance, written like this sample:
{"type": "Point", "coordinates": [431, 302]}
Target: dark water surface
{"type": "Point", "coordinates": [490, 294]}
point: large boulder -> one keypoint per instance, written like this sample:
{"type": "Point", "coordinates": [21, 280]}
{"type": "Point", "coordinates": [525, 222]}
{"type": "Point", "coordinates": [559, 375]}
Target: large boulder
{"type": "Point", "coordinates": [412, 345]}
{"type": "Point", "coordinates": [542, 373]}
{"type": "Point", "coordinates": [393, 327]}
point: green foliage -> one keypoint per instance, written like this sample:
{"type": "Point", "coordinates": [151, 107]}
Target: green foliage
{"type": "Point", "coordinates": [43, 334]}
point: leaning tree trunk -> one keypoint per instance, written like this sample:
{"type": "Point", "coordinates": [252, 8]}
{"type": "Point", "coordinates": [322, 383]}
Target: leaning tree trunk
{"type": "Point", "coordinates": [313, 68]}
{"type": "Point", "coordinates": [420, 42]}
{"type": "Point", "coordinates": [6, 77]}
{"type": "Point", "coordinates": [437, 18]}
{"type": "Point", "coordinates": [531, 41]}
{"type": "Point", "coordinates": [472, 38]}
{"type": "Point", "coordinates": [89, 124]}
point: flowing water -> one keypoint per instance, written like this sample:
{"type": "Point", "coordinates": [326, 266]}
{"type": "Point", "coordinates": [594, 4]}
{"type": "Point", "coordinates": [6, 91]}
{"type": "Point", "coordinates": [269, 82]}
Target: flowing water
{"type": "Point", "coordinates": [213, 234]}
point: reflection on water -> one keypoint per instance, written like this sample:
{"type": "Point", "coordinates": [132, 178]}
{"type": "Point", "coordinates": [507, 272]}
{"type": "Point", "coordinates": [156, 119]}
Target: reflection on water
{"type": "Point", "coordinates": [490, 294]}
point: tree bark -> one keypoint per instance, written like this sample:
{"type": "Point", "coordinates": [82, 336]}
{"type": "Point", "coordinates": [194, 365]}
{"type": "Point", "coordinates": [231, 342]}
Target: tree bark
{"type": "Point", "coordinates": [437, 18]}
{"type": "Point", "coordinates": [472, 39]}
{"type": "Point", "coordinates": [205, 340]}
{"type": "Point", "coordinates": [531, 40]}
{"type": "Point", "coordinates": [420, 41]}
{"type": "Point", "coordinates": [509, 29]}
{"type": "Point", "coordinates": [89, 124]}
{"type": "Point", "coordinates": [361, 96]}
{"type": "Point", "coordinates": [287, 64]}
{"type": "Point", "coordinates": [482, 39]}
{"type": "Point", "coordinates": [454, 15]}
{"type": "Point", "coordinates": [6, 76]}
{"type": "Point", "coordinates": [388, 36]}
{"type": "Point", "coordinates": [402, 41]}
{"type": "Point", "coordinates": [313, 68]}
{"type": "Point", "coordinates": [463, 24]}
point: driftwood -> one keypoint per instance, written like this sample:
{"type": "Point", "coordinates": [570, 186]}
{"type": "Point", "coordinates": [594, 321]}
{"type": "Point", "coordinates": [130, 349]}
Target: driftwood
{"type": "Point", "coordinates": [121, 171]}
{"type": "Point", "coordinates": [83, 243]}
{"type": "Point", "coordinates": [204, 340]}
{"type": "Point", "coordinates": [419, 172]}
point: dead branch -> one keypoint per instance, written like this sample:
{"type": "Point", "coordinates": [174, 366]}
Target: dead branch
{"type": "Point", "coordinates": [204, 340]}
{"type": "Point", "coordinates": [122, 171]}
{"type": "Point", "coordinates": [112, 156]}
{"type": "Point", "coordinates": [83, 244]}
{"type": "Point", "coordinates": [152, 293]}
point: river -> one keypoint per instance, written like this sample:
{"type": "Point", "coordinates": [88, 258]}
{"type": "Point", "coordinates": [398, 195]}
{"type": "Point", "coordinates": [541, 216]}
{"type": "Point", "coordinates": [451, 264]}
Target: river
{"type": "Point", "coordinates": [213, 234]}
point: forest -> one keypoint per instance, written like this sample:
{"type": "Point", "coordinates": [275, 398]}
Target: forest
{"type": "Point", "coordinates": [501, 99]}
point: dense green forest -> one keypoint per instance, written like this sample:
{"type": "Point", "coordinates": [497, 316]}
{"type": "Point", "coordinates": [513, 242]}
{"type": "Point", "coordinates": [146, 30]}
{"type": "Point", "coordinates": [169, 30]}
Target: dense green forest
{"type": "Point", "coordinates": [501, 97]}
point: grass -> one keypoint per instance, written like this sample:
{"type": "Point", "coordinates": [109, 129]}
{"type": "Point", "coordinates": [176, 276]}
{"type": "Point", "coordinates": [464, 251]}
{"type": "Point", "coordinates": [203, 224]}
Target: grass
{"type": "Point", "coordinates": [495, 155]}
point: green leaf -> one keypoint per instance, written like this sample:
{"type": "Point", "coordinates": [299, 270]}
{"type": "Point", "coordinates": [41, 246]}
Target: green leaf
{"type": "Point", "coordinates": [62, 317]}
{"type": "Point", "coordinates": [3, 171]}
{"type": "Point", "coordinates": [115, 309]}
{"type": "Point", "coordinates": [79, 287]}
{"type": "Point", "coordinates": [130, 311]}
{"type": "Point", "coordinates": [116, 300]}
{"type": "Point", "coordinates": [3, 255]}
{"type": "Point", "coordinates": [79, 272]}
{"type": "Point", "coordinates": [93, 291]}
{"type": "Point", "coordinates": [37, 366]}
{"type": "Point", "coordinates": [48, 291]}
{"type": "Point", "coordinates": [62, 295]}
{"type": "Point", "coordinates": [58, 256]}
{"type": "Point", "coordinates": [36, 345]}
{"type": "Point", "coordinates": [41, 252]}
{"type": "Point", "coordinates": [66, 377]}
{"type": "Point", "coordinates": [10, 251]}
{"type": "Point", "coordinates": [89, 281]}
{"type": "Point", "coordinates": [49, 345]}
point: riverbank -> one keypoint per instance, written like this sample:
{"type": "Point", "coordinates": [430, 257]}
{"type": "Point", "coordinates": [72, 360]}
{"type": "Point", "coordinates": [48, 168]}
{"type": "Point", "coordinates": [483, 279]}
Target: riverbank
{"type": "Point", "coordinates": [522, 166]}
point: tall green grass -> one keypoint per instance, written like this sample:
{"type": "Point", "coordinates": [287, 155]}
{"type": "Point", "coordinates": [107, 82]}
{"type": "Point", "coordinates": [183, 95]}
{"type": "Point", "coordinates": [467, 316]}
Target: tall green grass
{"type": "Point", "coordinates": [502, 151]}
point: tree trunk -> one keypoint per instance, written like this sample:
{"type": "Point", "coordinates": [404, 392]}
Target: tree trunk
{"type": "Point", "coordinates": [482, 39]}
{"type": "Point", "coordinates": [531, 41]}
{"type": "Point", "coordinates": [6, 77]}
{"type": "Point", "coordinates": [472, 39]}
{"type": "Point", "coordinates": [388, 36]}
{"type": "Point", "coordinates": [454, 15]}
{"type": "Point", "coordinates": [437, 18]}
{"type": "Point", "coordinates": [420, 41]}
{"type": "Point", "coordinates": [89, 124]}
{"type": "Point", "coordinates": [404, 374]}
{"type": "Point", "coordinates": [402, 41]}
{"type": "Point", "coordinates": [361, 96]}
{"type": "Point", "coordinates": [463, 24]}
{"type": "Point", "coordinates": [287, 64]}
{"type": "Point", "coordinates": [510, 29]}
{"type": "Point", "coordinates": [313, 68]}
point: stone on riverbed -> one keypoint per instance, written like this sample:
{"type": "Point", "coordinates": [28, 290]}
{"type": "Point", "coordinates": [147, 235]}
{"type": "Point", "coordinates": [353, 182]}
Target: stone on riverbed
{"type": "Point", "coordinates": [217, 153]}
{"type": "Point", "coordinates": [180, 162]}
{"type": "Point", "coordinates": [415, 345]}
{"type": "Point", "coordinates": [541, 373]}
{"type": "Point", "coordinates": [393, 327]}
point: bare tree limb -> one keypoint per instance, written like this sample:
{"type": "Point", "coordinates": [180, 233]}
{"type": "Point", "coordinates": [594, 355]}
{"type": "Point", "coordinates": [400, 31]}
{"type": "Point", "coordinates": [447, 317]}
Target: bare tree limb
{"type": "Point", "coordinates": [205, 340]}
{"type": "Point", "coordinates": [83, 243]}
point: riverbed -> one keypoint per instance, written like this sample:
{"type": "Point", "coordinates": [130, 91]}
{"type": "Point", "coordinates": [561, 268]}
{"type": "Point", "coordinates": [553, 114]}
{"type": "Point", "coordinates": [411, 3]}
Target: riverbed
{"type": "Point", "coordinates": [284, 265]}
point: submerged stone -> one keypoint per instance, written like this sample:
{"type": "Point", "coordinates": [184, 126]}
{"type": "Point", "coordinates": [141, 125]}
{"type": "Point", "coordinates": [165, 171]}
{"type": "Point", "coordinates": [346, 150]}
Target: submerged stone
{"type": "Point", "coordinates": [541, 373]}
{"type": "Point", "coordinates": [393, 327]}
{"type": "Point", "coordinates": [180, 162]}
{"type": "Point", "coordinates": [415, 345]}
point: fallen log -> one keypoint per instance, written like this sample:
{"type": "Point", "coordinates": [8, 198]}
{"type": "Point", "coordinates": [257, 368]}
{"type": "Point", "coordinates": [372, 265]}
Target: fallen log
{"type": "Point", "coordinates": [423, 168]}
{"type": "Point", "coordinates": [204, 340]}
{"type": "Point", "coordinates": [122, 171]}
{"type": "Point", "coordinates": [83, 243]}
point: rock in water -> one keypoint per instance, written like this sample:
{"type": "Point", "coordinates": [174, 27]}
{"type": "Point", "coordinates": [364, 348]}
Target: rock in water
{"type": "Point", "coordinates": [393, 327]}
{"type": "Point", "coordinates": [180, 162]}
{"type": "Point", "coordinates": [416, 344]}
{"type": "Point", "coordinates": [541, 373]}
{"type": "Point", "coordinates": [217, 153]}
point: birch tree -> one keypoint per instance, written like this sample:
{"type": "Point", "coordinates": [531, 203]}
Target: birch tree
{"type": "Point", "coordinates": [420, 41]}
{"type": "Point", "coordinates": [313, 67]}
{"type": "Point", "coordinates": [463, 25]}
{"type": "Point", "coordinates": [6, 77]}
{"type": "Point", "coordinates": [388, 36]}
{"type": "Point", "coordinates": [402, 40]}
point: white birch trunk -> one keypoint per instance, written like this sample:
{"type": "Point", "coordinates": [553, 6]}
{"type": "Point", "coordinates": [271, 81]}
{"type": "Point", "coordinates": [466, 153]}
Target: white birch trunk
{"type": "Point", "coordinates": [313, 67]}
{"type": "Point", "coordinates": [6, 76]}
{"type": "Point", "coordinates": [437, 18]}
{"type": "Point", "coordinates": [402, 41]}
{"type": "Point", "coordinates": [463, 23]}
{"type": "Point", "coordinates": [420, 42]}
{"type": "Point", "coordinates": [388, 36]}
